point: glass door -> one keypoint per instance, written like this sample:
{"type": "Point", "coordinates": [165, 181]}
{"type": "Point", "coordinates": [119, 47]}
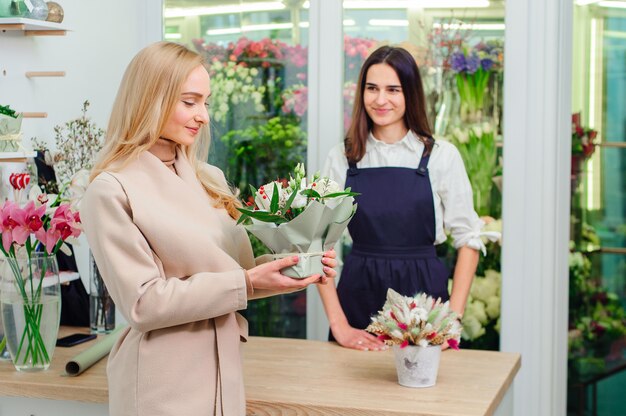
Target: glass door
{"type": "Point", "coordinates": [597, 319]}
{"type": "Point", "coordinates": [257, 55]}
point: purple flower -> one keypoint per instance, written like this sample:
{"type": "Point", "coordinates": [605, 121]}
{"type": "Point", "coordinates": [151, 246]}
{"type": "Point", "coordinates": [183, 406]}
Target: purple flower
{"type": "Point", "coordinates": [472, 63]}
{"type": "Point", "coordinates": [486, 63]}
{"type": "Point", "coordinates": [457, 61]}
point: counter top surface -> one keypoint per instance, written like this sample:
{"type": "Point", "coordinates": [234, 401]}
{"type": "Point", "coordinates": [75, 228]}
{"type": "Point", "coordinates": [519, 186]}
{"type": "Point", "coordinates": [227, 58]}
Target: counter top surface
{"type": "Point", "coordinates": [309, 377]}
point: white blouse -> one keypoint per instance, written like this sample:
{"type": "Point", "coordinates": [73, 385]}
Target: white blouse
{"type": "Point", "coordinates": [452, 192]}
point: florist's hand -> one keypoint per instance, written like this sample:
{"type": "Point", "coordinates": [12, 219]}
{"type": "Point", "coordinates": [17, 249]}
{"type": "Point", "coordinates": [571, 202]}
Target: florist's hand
{"type": "Point", "coordinates": [268, 276]}
{"type": "Point", "coordinates": [329, 261]}
{"type": "Point", "coordinates": [357, 339]}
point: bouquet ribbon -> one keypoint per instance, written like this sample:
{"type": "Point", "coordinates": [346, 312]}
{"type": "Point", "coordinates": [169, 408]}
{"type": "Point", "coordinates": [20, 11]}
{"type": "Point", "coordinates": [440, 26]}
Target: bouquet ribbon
{"type": "Point", "coordinates": [308, 261]}
{"type": "Point", "coordinates": [11, 142]}
{"type": "Point", "coordinates": [11, 137]}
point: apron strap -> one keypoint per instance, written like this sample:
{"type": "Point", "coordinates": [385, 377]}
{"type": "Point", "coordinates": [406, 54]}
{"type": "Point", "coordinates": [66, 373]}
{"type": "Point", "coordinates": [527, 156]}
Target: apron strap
{"type": "Point", "coordinates": [352, 169]}
{"type": "Point", "coordinates": [422, 169]}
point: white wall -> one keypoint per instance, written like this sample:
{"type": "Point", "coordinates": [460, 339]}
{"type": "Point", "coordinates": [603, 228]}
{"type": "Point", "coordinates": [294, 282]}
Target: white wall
{"type": "Point", "coordinates": [104, 35]}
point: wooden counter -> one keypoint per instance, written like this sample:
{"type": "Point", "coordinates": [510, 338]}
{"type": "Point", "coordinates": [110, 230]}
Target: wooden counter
{"type": "Point", "coordinates": [298, 377]}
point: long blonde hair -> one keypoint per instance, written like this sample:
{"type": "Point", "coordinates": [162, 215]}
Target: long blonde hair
{"type": "Point", "coordinates": [149, 90]}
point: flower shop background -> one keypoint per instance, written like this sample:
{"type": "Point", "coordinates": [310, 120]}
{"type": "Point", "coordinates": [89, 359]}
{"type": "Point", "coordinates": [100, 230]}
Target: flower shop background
{"type": "Point", "coordinates": [259, 81]}
{"type": "Point", "coordinates": [95, 72]}
{"type": "Point", "coordinates": [460, 54]}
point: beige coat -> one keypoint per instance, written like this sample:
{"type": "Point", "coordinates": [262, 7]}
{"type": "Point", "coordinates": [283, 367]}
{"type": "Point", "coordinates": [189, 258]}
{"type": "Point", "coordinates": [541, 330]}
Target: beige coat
{"type": "Point", "coordinates": [173, 264]}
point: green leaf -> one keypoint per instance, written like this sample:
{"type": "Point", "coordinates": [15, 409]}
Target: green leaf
{"type": "Point", "coordinates": [310, 193]}
{"type": "Point", "coordinates": [244, 216]}
{"type": "Point", "coordinates": [262, 216]}
{"type": "Point", "coordinates": [290, 200]}
{"type": "Point", "coordinates": [345, 193]}
{"type": "Point", "coordinates": [8, 111]}
{"type": "Point", "coordinates": [274, 203]}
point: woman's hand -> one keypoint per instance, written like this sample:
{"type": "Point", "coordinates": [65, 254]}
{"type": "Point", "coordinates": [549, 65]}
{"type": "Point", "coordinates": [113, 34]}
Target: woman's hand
{"type": "Point", "coordinates": [330, 262]}
{"type": "Point", "coordinates": [267, 276]}
{"type": "Point", "coordinates": [357, 339]}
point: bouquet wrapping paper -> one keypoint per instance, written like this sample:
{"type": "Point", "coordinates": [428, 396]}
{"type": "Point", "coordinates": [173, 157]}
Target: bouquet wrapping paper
{"type": "Point", "coordinates": [10, 133]}
{"type": "Point", "coordinates": [308, 235]}
{"type": "Point", "coordinates": [93, 354]}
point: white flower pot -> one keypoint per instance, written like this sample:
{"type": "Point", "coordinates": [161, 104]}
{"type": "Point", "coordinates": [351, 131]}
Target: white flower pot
{"type": "Point", "coordinates": [417, 366]}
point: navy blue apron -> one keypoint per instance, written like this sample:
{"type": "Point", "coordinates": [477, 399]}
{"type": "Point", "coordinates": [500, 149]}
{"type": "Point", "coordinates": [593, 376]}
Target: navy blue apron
{"type": "Point", "coordinates": [393, 234]}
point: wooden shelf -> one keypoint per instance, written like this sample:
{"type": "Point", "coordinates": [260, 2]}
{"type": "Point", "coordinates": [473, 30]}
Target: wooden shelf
{"type": "Point", "coordinates": [620, 145]}
{"type": "Point", "coordinates": [32, 27]}
{"type": "Point", "coordinates": [34, 115]}
{"type": "Point", "coordinates": [36, 74]}
{"type": "Point", "coordinates": [16, 156]}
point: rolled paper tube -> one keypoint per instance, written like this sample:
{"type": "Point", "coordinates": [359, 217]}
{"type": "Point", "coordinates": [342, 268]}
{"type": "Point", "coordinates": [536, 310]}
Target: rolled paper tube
{"type": "Point", "coordinates": [93, 354]}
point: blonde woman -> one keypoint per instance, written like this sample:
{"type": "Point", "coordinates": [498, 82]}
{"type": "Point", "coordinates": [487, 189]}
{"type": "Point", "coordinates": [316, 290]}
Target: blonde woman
{"type": "Point", "coordinates": [161, 225]}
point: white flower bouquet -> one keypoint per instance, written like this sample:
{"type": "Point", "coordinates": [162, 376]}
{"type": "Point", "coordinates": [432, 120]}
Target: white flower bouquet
{"type": "Point", "coordinates": [419, 320]}
{"type": "Point", "coordinates": [300, 217]}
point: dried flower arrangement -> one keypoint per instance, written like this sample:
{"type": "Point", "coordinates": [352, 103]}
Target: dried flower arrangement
{"type": "Point", "coordinates": [416, 320]}
{"type": "Point", "coordinates": [78, 142]}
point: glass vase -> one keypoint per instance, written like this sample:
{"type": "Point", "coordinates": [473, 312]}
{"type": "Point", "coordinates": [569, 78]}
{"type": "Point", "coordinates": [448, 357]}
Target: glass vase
{"type": "Point", "coordinates": [30, 302]}
{"type": "Point", "coordinates": [101, 306]}
{"type": "Point", "coordinates": [4, 352]}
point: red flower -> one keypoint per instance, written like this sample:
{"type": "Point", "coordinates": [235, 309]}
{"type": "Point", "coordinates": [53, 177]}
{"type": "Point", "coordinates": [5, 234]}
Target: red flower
{"type": "Point", "coordinates": [404, 343]}
{"type": "Point", "coordinates": [453, 343]}
{"type": "Point", "coordinates": [19, 181]}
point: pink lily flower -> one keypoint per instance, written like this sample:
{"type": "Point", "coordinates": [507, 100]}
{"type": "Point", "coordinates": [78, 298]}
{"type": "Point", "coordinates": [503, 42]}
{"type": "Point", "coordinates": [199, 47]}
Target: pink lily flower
{"type": "Point", "coordinates": [66, 222]}
{"type": "Point", "coordinates": [48, 238]}
{"type": "Point", "coordinates": [8, 223]}
{"type": "Point", "coordinates": [29, 220]}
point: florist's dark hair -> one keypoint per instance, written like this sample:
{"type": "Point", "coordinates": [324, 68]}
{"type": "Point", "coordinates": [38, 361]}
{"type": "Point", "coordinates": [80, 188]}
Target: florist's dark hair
{"type": "Point", "coordinates": [415, 117]}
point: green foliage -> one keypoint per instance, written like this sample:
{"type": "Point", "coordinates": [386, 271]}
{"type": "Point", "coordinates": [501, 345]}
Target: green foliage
{"type": "Point", "coordinates": [262, 153]}
{"type": "Point", "coordinates": [8, 111]}
{"type": "Point", "coordinates": [477, 146]}
{"type": "Point", "coordinates": [596, 317]}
